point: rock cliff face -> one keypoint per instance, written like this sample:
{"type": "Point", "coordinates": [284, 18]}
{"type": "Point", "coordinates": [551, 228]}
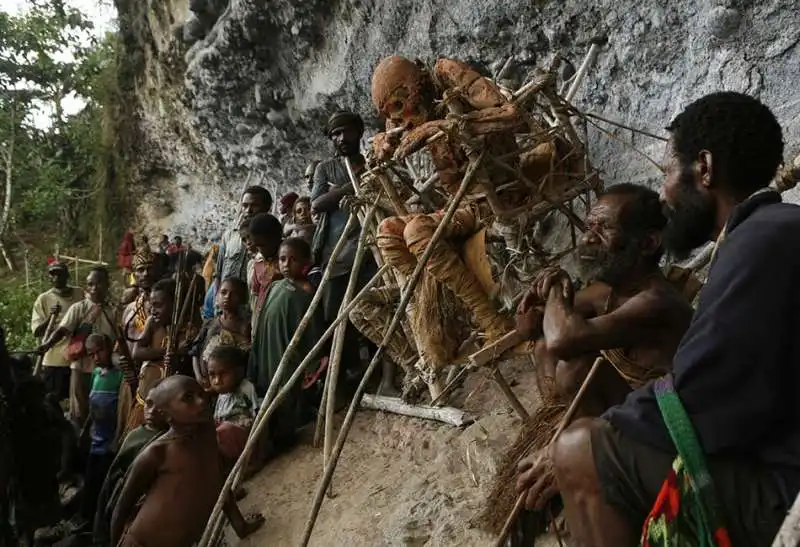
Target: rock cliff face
{"type": "Point", "coordinates": [247, 102]}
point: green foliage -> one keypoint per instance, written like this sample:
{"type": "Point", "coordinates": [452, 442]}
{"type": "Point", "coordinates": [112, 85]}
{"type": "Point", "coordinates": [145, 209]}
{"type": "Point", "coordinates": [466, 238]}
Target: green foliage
{"type": "Point", "coordinates": [16, 303]}
{"type": "Point", "coordinates": [63, 175]}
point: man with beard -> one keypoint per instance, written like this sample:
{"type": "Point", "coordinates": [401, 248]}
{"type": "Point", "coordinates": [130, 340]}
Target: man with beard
{"type": "Point", "coordinates": [331, 184]}
{"type": "Point", "coordinates": [629, 313]}
{"type": "Point", "coordinates": [233, 257]}
{"type": "Point", "coordinates": [729, 408]}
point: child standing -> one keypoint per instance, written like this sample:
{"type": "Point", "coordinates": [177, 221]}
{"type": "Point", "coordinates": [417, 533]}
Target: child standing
{"type": "Point", "coordinates": [236, 404]}
{"type": "Point", "coordinates": [265, 234]}
{"type": "Point", "coordinates": [151, 348]}
{"type": "Point", "coordinates": [285, 306]}
{"type": "Point", "coordinates": [230, 328]}
{"type": "Point", "coordinates": [302, 225]}
{"type": "Point", "coordinates": [155, 424]}
{"type": "Point", "coordinates": [104, 430]}
{"type": "Point", "coordinates": [180, 476]}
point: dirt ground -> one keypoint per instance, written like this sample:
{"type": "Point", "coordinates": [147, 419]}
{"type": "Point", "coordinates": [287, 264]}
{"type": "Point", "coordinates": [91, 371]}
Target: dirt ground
{"type": "Point", "coordinates": [400, 481]}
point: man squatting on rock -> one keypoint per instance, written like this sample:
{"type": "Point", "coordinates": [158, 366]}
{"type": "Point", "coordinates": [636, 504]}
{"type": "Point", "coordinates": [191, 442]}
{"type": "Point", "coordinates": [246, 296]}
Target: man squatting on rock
{"type": "Point", "coordinates": [734, 376]}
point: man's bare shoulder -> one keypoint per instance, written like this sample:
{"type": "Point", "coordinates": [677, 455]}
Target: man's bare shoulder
{"type": "Point", "coordinates": [591, 300]}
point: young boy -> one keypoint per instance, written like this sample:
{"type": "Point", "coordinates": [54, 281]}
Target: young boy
{"type": "Point", "coordinates": [265, 234]}
{"type": "Point", "coordinates": [285, 305]}
{"type": "Point", "coordinates": [155, 424]}
{"type": "Point", "coordinates": [104, 430]}
{"type": "Point", "coordinates": [236, 404]}
{"type": "Point", "coordinates": [180, 475]}
{"type": "Point", "coordinates": [151, 348]}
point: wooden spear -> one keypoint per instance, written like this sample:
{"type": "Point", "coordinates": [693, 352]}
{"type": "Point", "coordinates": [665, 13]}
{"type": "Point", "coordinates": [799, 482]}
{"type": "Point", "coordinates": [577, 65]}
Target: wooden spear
{"type": "Point", "coordinates": [408, 290]}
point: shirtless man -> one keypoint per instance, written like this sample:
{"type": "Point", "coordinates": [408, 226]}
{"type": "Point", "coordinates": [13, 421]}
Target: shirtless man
{"type": "Point", "coordinates": [180, 476]}
{"type": "Point", "coordinates": [629, 313]}
{"type": "Point", "coordinates": [734, 377]}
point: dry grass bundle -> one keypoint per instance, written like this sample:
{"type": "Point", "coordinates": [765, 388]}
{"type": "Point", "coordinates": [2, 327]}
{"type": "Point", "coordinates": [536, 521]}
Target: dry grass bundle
{"type": "Point", "coordinates": [433, 321]}
{"type": "Point", "coordinates": [535, 435]}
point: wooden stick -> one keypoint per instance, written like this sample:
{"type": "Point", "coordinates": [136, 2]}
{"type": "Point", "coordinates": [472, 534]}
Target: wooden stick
{"type": "Point", "coordinates": [588, 61]}
{"type": "Point", "coordinates": [448, 415]}
{"type": "Point", "coordinates": [492, 352]}
{"type": "Point", "coordinates": [506, 390]}
{"type": "Point", "coordinates": [82, 260]}
{"type": "Point", "coordinates": [332, 377]}
{"type": "Point", "coordinates": [262, 419]}
{"type": "Point", "coordinates": [51, 320]}
{"type": "Point", "coordinates": [233, 476]}
{"type": "Point", "coordinates": [408, 291]}
{"type": "Point", "coordinates": [573, 408]}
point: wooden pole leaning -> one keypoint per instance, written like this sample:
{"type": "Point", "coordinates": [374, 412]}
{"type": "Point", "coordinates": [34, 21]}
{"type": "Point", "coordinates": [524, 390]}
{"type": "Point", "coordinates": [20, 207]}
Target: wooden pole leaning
{"type": "Point", "coordinates": [262, 419]}
{"type": "Point", "coordinates": [408, 291]}
{"type": "Point", "coordinates": [258, 426]}
{"type": "Point", "coordinates": [332, 377]}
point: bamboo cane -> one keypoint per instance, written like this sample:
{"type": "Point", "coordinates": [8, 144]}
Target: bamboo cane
{"type": "Point", "coordinates": [336, 354]}
{"type": "Point", "coordinates": [259, 424]}
{"type": "Point", "coordinates": [400, 312]}
{"type": "Point", "coordinates": [263, 419]}
{"type": "Point", "coordinates": [51, 321]}
{"type": "Point", "coordinates": [573, 407]}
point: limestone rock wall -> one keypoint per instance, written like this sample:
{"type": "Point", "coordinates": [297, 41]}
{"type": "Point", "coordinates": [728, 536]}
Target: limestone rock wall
{"type": "Point", "coordinates": [247, 103]}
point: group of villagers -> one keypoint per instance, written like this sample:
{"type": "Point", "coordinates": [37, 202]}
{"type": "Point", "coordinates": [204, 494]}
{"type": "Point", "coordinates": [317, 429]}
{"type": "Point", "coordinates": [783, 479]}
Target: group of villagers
{"type": "Point", "coordinates": [688, 435]}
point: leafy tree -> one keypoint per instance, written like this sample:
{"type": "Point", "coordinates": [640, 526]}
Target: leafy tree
{"type": "Point", "coordinates": [52, 174]}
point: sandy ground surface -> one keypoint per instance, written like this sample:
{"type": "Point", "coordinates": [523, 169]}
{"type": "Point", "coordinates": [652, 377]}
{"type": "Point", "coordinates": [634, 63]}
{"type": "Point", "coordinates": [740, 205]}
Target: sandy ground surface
{"type": "Point", "coordinates": [400, 481]}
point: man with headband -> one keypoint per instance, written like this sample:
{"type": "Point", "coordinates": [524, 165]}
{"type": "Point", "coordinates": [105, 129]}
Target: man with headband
{"type": "Point", "coordinates": [331, 184]}
{"type": "Point", "coordinates": [145, 268]}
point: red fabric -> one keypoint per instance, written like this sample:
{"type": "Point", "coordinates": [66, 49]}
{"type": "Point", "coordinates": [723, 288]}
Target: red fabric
{"type": "Point", "coordinates": [265, 273]}
{"type": "Point", "coordinates": [231, 440]}
{"type": "Point", "coordinates": [125, 251]}
{"type": "Point", "coordinates": [173, 249]}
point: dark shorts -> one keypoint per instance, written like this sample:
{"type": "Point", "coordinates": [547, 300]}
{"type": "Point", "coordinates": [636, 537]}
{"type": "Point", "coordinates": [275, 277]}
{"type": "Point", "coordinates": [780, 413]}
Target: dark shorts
{"type": "Point", "coordinates": [56, 381]}
{"type": "Point", "coordinates": [631, 473]}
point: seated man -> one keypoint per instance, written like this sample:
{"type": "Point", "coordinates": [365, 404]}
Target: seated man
{"type": "Point", "coordinates": [729, 407]}
{"type": "Point", "coordinates": [629, 313]}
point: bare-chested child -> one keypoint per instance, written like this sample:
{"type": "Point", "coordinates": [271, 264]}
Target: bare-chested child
{"type": "Point", "coordinates": [180, 476]}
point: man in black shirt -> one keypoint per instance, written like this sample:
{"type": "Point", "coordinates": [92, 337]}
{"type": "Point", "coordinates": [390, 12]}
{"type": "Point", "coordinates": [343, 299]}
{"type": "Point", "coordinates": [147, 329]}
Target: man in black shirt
{"type": "Point", "coordinates": [736, 370]}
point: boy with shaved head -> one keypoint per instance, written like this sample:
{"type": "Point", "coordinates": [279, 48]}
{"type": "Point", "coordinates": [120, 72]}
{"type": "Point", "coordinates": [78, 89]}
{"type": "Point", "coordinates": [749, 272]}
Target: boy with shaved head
{"type": "Point", "coordinates": [180, 476]}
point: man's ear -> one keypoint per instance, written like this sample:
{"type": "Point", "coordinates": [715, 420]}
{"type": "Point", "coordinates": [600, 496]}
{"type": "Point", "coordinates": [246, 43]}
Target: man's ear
{"type": "Point", "coordinates": [652, 243]}
{"type": "Point", "coordinates": [705, 168]}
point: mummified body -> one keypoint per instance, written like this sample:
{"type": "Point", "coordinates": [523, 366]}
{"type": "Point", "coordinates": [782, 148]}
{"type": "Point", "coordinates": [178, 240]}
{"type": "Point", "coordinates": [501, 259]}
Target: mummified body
{"type": "Point", "coordinates": [509, 183]}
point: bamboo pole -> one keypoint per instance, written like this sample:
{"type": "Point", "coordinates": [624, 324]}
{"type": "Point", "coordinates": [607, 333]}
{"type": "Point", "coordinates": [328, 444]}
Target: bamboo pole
{"type": "Point", "coordinates": [336, 355]}
{"type": "Point", "coordinates": [408, 290]}
{"type": "Point", "coordinates": [81, 260]}
{"type": "Point", "coordinates": [259, 424]}
{"type": "Point", "coordinates": [573, 408]}
{"type": "Point", "coordinates": [262, 419]}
